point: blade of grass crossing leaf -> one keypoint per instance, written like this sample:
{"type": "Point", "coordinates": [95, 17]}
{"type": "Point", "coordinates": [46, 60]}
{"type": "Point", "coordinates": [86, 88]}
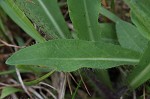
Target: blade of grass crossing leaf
{"type": "Point", "coordinates": [35, 69]}
{"type": "Point", "coordinates": [70, 55]}
{"type": "Point", "coordinates": [33, 82]}
{"type": "Point", "coordinates": [141, 73]}
{"type": "Point", "coordinates": [19, 17]}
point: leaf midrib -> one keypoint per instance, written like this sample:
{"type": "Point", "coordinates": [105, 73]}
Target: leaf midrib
{"type": "Point", "coordinates": [52, 19]}
{"type": "Point", "coordinates": [88, 59]}
{"type": "Point", "coordinates": [88, 21]}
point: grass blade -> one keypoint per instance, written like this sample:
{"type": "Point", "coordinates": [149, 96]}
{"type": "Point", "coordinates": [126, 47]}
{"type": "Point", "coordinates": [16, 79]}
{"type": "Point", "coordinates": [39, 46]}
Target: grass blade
{"type": "Point", "coordinates": [18, 16]}
{"type": "Point", "coordinates": [47, 16]}
{"type": "Point", "coordinates": [8, 91]}
{"type": "Point", "coordinates": [109, 14]}
{"type": "Point", "coordinates": [74, 94]}
{"type": "Point", "coordinates": [141, 73]}
{"type": "Point", "coordinates": [33, 82]}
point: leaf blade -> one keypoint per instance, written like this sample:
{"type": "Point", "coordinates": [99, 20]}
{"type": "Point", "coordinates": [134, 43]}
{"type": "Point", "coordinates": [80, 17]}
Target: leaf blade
{"type": "Point", "coordinates": [8, 91]}
{"type": "Point", "coordinates": [18, 16]}
{"type": "Point", "coordinates": [140, 15]}
{"type": "Point", "coordinates": [36, 81]}
{"type": "Point", "coordinates": [47, 16]}
{"type": "Point", "coordinates": [141, 72]}
{"type": "Point", "coordinates": [129, 37]}
{"type": "Point", "coordinates": [70, 55]}
{"type": "Point", "coordinates": [85, 18]}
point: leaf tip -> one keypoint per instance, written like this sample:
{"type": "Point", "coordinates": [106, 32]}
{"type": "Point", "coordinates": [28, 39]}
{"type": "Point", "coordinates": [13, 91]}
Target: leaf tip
{"type": "Point", "coordinates": [9, 61]}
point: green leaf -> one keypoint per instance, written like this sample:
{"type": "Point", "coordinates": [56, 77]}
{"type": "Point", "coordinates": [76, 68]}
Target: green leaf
{"type": "Point", "coordinates": [103, 75]}
{"type": "Point", "coordinates": [46, 15]}
{"type": "Point", "coordinates": [70, 55]}
{"type": "Point", "coordinates": [18, 16]}
{"type": "Point", "coordinates": [141, 73]}
{"type": "Point", "coordinates": [142, 24]}
{"type": "Point", "coordinates": [36, 81]}
{"type": "Point", "coordinates": [140, 16]}
{"type": "Point", "coordinates": [109, 14]}
{"type": "Point", "coordinates": [75, 93]}
{"type": "Point", "coordinates": [108, 32]}
{"type": "Point", "coordinates": [129, 37]}
{"type": "Point", "coordinates": [84, 16]}
{"type": "Point", "coordinates": [36, 69]}
{"type": "Point", "coordinates": [8, 91]}
{"type": "Point", "coordinates": [7, 72]}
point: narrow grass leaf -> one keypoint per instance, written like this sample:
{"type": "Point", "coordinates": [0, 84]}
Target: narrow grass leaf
{"type": "Point", "coordinates": [36, 81]}
{"type": "Point", "coordinates": [103, 75]}
{"type": "Point", "coordinates": [70, 55]}
{"type": "Point", "coordinates": [75, 93]}
{"type": "Point", "coordinates": [129, 37]}
{"type": "Point", "coordinates": [7, 72]}
{"type": "Point", "coordinates": [19, 17]}
{"type": "Point", "coordinates": [46, 15]}
{"type": "Point", "coordinates": [141, 73]}
{"type": "Point", "coordinates": [84, 16]}
{"type": "Point", "coordinates": [109, 14]}
{"type": "Point", "coordinates": [6, 91]}
{"type": "Point", "coordinates": [33, 68]}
